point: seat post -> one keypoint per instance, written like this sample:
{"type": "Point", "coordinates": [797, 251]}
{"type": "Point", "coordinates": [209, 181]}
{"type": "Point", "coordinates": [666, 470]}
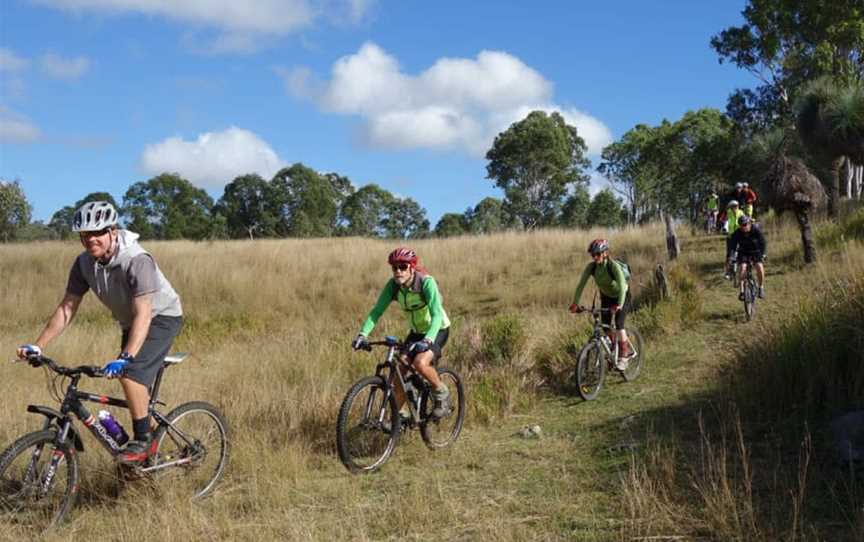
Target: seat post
{"type": "Point", "coordinates": [154, 390]}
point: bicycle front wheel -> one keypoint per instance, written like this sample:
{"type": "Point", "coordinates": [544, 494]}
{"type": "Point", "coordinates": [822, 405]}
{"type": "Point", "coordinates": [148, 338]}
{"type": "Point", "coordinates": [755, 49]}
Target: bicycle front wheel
{"type": "Point", "coordinates": [441, 432]}
{"type": "Point", "coordinates": [634, 364]}
{"type": "Point", "coordinates": [368, 426]}
{"type": "Point", "coordinates": [749, 299]}
{"type": "Point", "coordinates": [590, 370]}
{"type": "Point", "coordinates": [193, 448]}
{"type": "Point", "coordinates": [38, 482]}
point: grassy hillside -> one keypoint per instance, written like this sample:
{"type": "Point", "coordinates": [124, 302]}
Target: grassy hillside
{"type": "Point", "coordinates": [270, 322]}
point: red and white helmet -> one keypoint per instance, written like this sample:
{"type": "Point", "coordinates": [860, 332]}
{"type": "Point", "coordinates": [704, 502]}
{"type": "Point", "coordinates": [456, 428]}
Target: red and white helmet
{"type": "Point", "coordinates": [598, 246]}
{"type": "Point", "coordinates": [403, 255]}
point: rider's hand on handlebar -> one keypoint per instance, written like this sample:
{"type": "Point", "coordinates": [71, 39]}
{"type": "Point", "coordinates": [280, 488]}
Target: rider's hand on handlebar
{"type": "Point", "coordinates": [26, 351]}
{"type": "Point", "coordinates": [575, 309]}
{"type": "Point", "coordinates": [116, 368]}
{"type": "Point", "coordinates": [360, 343]}
{"type": "Point", "coordinates": [614, 308]}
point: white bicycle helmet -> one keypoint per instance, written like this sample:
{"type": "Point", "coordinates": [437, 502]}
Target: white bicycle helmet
{"type": "Point", "coordinates": [739, 186]}
{"type": "Point", "coordinates": [732, 203]}
{"type": "Point", "coordinates": [94, 216]}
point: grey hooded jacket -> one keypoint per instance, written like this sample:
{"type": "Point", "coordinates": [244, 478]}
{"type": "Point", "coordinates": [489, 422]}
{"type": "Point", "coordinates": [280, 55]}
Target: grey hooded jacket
{"type": "Point", "coordinates": [111, 282]}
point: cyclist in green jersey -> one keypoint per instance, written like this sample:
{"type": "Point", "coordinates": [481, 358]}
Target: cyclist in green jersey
{"type": "Point", "coordinates": [712, 206]}
{"type": "Point", "coordinates": [733, 215]}
{"type": "Point", "coordinates": [614, 294]}
{"type": "Point", "coordinates": [418, 296]}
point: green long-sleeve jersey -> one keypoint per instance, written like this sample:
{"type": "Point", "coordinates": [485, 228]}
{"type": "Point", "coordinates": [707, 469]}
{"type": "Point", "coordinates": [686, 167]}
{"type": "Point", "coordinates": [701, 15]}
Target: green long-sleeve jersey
{"type": "Point", "coordinates": [421, 301]}
{"type": "Point", "coordinates": [609, 278]}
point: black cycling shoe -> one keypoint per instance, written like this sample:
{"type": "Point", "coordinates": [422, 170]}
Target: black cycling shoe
{"type": "Point", "coordinates": [404, 420]}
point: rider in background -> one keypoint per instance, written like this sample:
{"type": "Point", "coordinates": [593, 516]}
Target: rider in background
{"type": "Point", "coordinates": [751, 246]}
{"type": "Point", "coordinates": [733, 216]}
{"type": "Point", "coordinates": [614, 294]}
{"type": "Point", "coordinates": [747, 200]}
{"type": "Point", "coordinates": [418, 296]}
{"type": "Point", "coordinates": [712, 207]}
{"type": "Point", "coordinates": [127, 280]}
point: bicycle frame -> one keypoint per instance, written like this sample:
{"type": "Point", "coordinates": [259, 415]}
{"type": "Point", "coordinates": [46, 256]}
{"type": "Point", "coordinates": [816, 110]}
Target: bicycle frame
{"type": "Point", "coordinates": [73, 404]}
{"type": "Point", "coordinates": [392, 365]}
{"type": "Point", "coordinates": [599, 333]}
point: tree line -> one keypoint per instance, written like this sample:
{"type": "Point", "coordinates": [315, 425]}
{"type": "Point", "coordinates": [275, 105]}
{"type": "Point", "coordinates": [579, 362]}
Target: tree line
{"type": "Point", "coordinates": [797, 138]}
{"type": "Point", "coordinates": [539, 163]}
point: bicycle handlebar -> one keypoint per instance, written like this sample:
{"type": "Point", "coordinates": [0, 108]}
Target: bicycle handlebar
{"type": "Point", "coordinates": [592, 310]}
{"type": "Point", "coordinates": [88, 370]}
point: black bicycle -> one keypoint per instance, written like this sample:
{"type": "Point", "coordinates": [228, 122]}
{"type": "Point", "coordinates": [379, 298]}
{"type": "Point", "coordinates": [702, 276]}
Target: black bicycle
{"type": "Point", "coordinates": [369, 424]}
{"type": "Point", "coordinates": [599, 354]}
{"type": "Point", "coordinates": [750, 289]}
{"type": "Point", "coordinates": [40, 473]}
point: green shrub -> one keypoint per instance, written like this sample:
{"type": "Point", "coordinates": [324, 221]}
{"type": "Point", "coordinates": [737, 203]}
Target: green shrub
{"type": "Point", "coordinates": [504, 336]}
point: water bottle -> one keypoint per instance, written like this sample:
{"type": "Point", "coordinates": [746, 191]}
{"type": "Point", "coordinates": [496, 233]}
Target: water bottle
{"type": "Point", "coordinates": [113, 427]}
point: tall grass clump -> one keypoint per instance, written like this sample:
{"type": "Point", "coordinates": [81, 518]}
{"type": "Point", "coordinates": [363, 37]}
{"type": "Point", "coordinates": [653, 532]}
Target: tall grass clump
{"type": "Point", "coordinates": [812, 364]}
{"type": "Point", "coordinates": [657, 316]}
{"type": "Point", "coordinates": [504, 337]}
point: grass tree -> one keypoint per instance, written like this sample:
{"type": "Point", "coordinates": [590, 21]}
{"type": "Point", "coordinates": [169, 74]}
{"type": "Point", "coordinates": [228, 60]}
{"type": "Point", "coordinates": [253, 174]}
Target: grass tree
{"type": "Point", "coordinates": [830, 120]}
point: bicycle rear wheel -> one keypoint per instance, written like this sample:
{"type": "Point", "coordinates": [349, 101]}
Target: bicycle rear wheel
{"type": "Point", "coordinates": [590, 370]}
{"type": "Point", "coordinates": [38, 482]}
{"type": "Point", "coordinates": [439, 433]}
{"type": "Point", "coordinates": [368, 425]}
{"type": "Point", "coordinates": [193, 449]}
{"type": "Point", "coordinates": [634, 364]}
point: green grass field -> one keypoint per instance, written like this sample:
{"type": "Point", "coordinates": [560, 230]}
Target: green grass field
{"type": "Point", "coordinates": [722, 437]}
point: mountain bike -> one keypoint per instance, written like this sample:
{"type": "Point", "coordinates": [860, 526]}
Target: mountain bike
{"type": "Point", "coordinates": [599, 354]}
{"type": "Point", "coordinates": [40, 472]}
{"type": "Point", "coordinates": [369, 423]}
{"type": "Point", "coordinates": [751, 290]}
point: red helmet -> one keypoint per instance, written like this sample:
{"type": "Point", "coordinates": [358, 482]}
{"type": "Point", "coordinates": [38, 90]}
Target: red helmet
{"type": "Point", "coordinates": [598, 246]}
{"type": "Point", "coordinates": [403, 255]}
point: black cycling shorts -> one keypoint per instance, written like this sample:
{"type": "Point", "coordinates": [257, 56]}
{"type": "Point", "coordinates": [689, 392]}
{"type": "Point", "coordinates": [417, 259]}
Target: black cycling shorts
{"type": "Point", "coordinates": [437, 345]}
{"type": "Point", "coordinates": [621, 315]}
{"type": "Point", "coordinates": [148, 361]}
{"type": "Point", "coordinates": [750, 258]}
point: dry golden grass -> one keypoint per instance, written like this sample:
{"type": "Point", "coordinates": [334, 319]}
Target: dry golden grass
{"type": "Point", "coordinates": [270, 322]}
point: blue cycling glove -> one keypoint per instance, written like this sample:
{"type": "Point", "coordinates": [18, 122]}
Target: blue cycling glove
{"type": "Point", "coordinates": [116, 368]}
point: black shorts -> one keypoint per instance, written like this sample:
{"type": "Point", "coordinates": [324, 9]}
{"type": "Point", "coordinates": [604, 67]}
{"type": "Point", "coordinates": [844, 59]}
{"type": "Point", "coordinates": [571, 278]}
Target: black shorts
{"type": "Point", "coordinates": [437, 345]}
{"type": "Point", "coordinates": [729, 247]}
{"type": "Point", "coordinates": [148, 361]}
{"type": "Point", "coordinates": [621, 315]}
{"type": "Point", "coordinates": [750, 258]}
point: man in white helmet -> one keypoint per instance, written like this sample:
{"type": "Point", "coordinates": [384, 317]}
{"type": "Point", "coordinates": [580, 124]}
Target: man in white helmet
{"type": "Point", "coordinates": [127, 280]}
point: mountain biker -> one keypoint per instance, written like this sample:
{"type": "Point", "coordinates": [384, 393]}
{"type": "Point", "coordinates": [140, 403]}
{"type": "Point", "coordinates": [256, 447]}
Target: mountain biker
{"type": "Point", "coordinates": [417, 294]}
{"type": "Point", "coordinates": [128, 282]}
{"type": "Point", "coordinates": [614, 295]}
{"type": "Point", "coordinates": [712, 207]}
{"type": "Point", "coordinates": [748, 199]}
{"type": "Point", "coordinates": [750, 243]}
{"type": "Point", "coordinates": [733, 217]}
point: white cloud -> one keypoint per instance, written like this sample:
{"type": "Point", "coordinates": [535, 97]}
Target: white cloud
{"type": "Point", "coordinates": [242, 22]}
{"type": "Point", "coordinates": [214, 159]}
{"type": "Point", "coordinates": [68, 69]}
{"type": "Point", "coordinates": [10, 62]}
{"type": "Point", "coordinates": [15, 128]}
{"type": "Point", "coordinates": [457, 103]}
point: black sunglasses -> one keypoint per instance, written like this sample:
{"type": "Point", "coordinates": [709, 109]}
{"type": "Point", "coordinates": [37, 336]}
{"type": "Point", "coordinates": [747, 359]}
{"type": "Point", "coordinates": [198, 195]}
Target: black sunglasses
{"type": "Point", "coordinates": [89, 234]}
{"type": "Point", "coordinates": [400, 267]}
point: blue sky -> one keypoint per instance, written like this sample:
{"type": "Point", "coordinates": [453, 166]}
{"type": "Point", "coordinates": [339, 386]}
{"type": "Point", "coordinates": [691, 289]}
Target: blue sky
{"type": "Point", "coordinates": [96, 95]}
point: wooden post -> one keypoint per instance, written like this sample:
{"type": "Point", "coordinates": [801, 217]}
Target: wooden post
{"type": "Point", "coordinates": [661, 281]}
{"type": "Point", "coordinates": [672, 245]}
